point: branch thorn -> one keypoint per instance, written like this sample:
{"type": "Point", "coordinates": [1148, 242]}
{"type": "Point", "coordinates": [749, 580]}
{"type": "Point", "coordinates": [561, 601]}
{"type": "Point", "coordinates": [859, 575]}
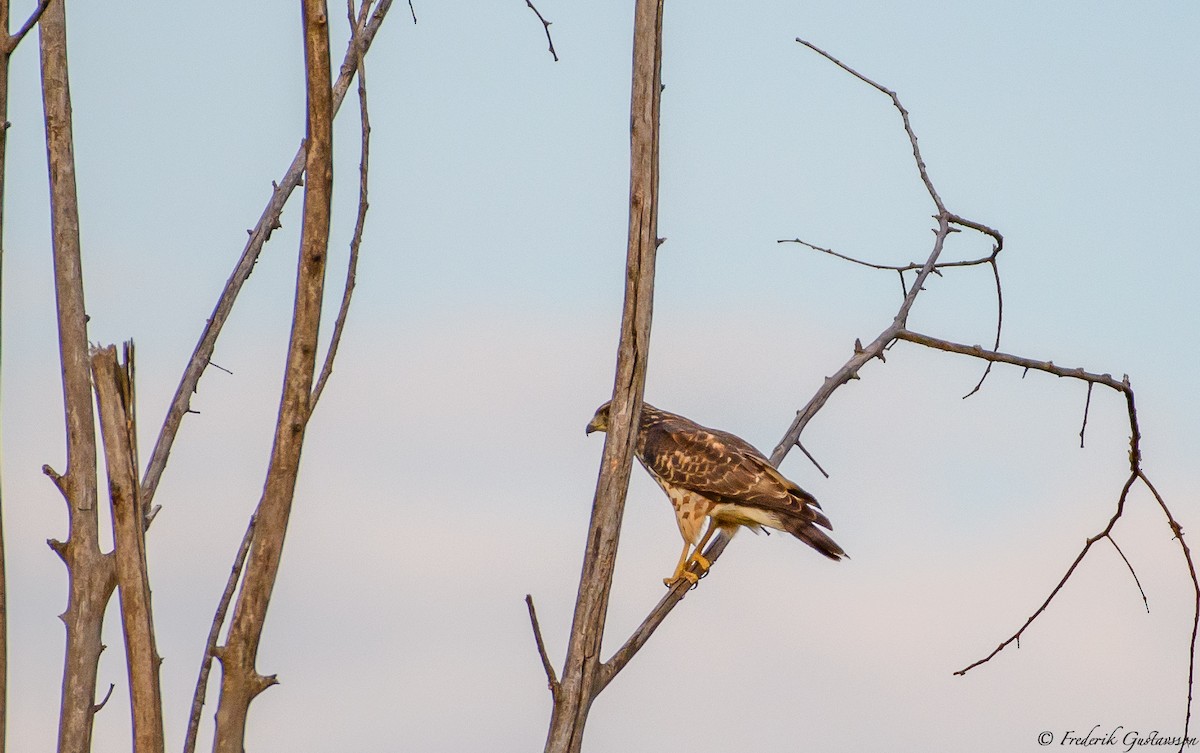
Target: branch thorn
{"type": "Point", "coordinates": [96, 708]}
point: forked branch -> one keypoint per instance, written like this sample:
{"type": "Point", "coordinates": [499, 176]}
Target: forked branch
{"type": "Point", "coordinates": [947, 222]}
{"type": "Point", "coordinates": [1136, 474]}
{"type": "Point", "coordinates": [9, 44]}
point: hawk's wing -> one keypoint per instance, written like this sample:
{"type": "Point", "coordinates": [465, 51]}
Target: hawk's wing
{"type": "Point", "coordinates": [721, 466]}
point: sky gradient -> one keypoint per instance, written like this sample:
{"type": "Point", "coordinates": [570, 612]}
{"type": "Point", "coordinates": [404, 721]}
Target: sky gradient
{"type": "Point", "coordinates": [447, 473]}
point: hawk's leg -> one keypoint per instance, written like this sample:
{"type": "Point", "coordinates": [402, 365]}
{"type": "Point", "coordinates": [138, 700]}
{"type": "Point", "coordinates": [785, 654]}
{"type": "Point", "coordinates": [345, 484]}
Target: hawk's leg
{"type": "Point", "coordinates": [698, 553]}
{"type": "Point", "coordinates": [681, 569]}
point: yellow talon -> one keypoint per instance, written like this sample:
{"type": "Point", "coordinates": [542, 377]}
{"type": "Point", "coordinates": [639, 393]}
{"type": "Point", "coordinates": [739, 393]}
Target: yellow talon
{"type": "Point", "coordinates": [687, 575]}
{"type": "Point", "coordinates": [702, 561]}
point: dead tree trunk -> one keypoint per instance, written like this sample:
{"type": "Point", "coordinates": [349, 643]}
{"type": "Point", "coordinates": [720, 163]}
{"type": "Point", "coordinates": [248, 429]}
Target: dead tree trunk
{"type": "Point", "coordinates": [90, 572]}
{"type": "Point", "coordinates": [241, 682]}
{"type": "Point", "coordinates": [114, 396]}
{"type": "Point", "coordinates": [580, 679]}
{"type": "Point", "coordinates": [5, 55]}
{"type": "Point", "coordinates": [8, 44]}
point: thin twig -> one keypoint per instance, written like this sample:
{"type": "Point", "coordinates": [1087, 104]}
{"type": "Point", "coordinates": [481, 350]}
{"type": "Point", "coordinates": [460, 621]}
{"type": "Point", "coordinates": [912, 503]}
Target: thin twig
{"type": "Point", "coordinates": [937, 268]}
{"type": "Point", "coordinates": [912, 137]}
{"type": "Point", "coordinates": [551, 677]}
{"type": "Point", "coordinates": [1083, 429]}
{"type": "Point", "coordinates": [1187, 556]}
{"type": "Point", "coordinates": [339, 323]}
{"type": "Point", "coordinates": [996, 249]}
{"type": "Point", "coordinates": [811, 459]}
{"type": "Point", "coordinates": [97, 707]}
{"type": "Point", "coordinates": [545, 25]}
{"type": "Point", "coordinates": [1061, 582]}
{"type": "Point", "coordinates": [214, 632]}
{"type": "Point", "coordinates": [910, 267]}
{"type": "Point", "coordinates": [267, 222]}
{"type": "Point", "coordinates": [413, 11]}
{"type": "Point", "coordinates": [1132, 572]}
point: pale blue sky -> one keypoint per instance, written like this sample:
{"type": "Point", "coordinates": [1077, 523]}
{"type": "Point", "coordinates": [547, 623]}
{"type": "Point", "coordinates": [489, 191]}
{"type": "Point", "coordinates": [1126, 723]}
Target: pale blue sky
{"type": "Point", "coordinates": [447, 473]}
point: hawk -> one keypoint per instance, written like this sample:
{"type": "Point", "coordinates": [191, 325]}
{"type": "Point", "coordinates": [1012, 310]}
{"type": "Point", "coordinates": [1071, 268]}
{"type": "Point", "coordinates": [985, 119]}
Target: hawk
{"type": "Point", "coordinates": [713, 474]}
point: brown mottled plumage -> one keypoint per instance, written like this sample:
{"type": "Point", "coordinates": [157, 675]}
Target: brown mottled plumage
{"type": "Point", "coordinates": [714, 474]}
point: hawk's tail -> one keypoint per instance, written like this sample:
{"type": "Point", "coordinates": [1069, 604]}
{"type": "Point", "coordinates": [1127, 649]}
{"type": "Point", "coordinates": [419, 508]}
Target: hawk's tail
{"type": "Point", "coordinates": [804, 526]}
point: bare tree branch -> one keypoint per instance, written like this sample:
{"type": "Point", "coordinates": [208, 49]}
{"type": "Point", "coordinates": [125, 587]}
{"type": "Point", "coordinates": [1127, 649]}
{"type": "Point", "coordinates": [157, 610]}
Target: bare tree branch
{"type": "Point", "coordinates": [5, 55]}
{"type": "Point", "coordinates": [114, 397]}
{"type": "Point", "coordinates": [1191, 565]}
{"type": "Point", "coordinates": [674, 595]}
{"type": "Point", "coordinates": [241, 682]}
{"type": "Point", "coordinates": [1136, 473]}
{"type": "Point", "coordinates": [545, 25]}
{"type": "Point", "coordinates": [861, 356]}
{"type": "Point", "coordinates": [999, 322]}
{"type": "Point", "coordinates": [936, 269]}
{"type": "Point", "coordinates": [214, 632]}
{"type": "Point", "coordinates": [912, 137]}
{"type": "Point", "coordinates": [582, 668]}
{"type": "Point", "coordinates": [551, 678]}
{"type": "Point", "coordinates": [10, 42]}
{"type": "Point", "coordinates": [3, 629]}
{"type": "Point", "coordinates": [910, 267]}
{"type": "Point", "coordinates": [91, 574]}
{"type": "Point", "coordinates": [1049, 367]}
{"type": "Point", "coordinates": [339, 323]}
{"type": "Point", "coordinates": [98, 707]}
{"type": "Point", "coordinates": [1137, 581]}
{"type": "Point", "coordinates": [1087, 405]}
{"type": "Point", "coordinates": [811, 459]}
{"type": "Point", "coordinates": [1103, 534]}
{"type": "Point", "coordinates": [267, 222]}
{"type": "Point", "coordinates": [898, 330]}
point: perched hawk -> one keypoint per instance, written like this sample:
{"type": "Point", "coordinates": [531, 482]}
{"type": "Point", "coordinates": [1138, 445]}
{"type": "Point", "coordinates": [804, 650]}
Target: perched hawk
{"type": "Point", "coordinates": [713, 474]}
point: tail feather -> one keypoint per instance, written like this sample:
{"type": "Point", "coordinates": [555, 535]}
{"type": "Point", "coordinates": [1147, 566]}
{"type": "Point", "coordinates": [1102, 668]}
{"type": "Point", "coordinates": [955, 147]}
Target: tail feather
{"type": "Point", "coordinates": [803, 525]}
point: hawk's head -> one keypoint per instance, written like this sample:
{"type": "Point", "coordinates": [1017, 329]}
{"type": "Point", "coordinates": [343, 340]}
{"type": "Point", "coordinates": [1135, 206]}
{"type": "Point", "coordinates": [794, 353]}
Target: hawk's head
{"type": "Point", "coordinates": [599, 421]}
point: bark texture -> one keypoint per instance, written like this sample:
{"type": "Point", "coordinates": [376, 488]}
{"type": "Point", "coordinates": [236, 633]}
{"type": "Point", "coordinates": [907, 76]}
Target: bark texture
{"type": "Point", "coordinates": [114, 396]}
{"type": "Point", "coordinates": [91, 575]}
{"type": "Point", "coordinates": [580, 683]}
{"type": "Point", "coordinates": [241, 681]}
